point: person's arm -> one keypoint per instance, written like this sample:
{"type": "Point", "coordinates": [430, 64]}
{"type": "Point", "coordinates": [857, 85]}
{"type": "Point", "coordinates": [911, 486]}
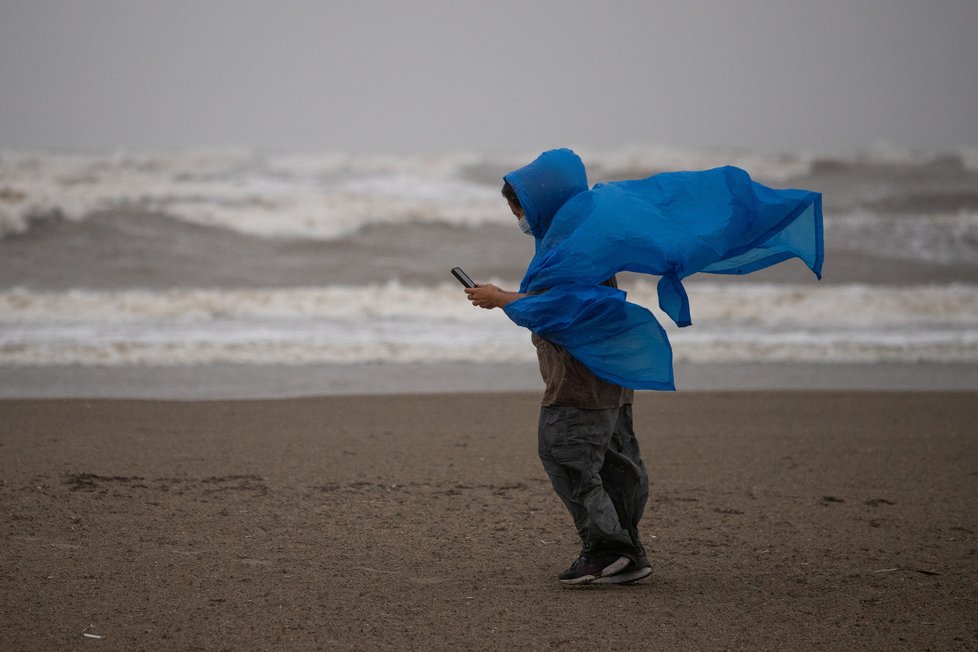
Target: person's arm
{"type": "Point", "coordinates": [489, 296]}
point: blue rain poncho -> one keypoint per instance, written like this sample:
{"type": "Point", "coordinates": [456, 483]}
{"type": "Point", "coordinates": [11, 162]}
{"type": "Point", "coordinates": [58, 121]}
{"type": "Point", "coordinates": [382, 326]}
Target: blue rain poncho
{"type": "Point", "coordinates": [672, 225]}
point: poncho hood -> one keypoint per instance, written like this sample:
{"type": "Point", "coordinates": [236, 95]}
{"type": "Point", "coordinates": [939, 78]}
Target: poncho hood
{"type": "Point", "coordinates": [546, 184]}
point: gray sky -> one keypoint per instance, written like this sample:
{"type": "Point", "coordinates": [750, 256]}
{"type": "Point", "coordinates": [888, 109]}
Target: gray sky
{"type": "Point", "coordinates": [767, 75]}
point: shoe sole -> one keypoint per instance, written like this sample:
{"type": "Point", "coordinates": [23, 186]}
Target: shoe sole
{"type": "Point", "coordinates": [627, 577]}
{"type": "Point", "coordinates": [611, 569]}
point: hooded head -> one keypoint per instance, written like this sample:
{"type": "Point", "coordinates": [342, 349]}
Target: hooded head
{"type": "Point", "coordinates": [546, 184]}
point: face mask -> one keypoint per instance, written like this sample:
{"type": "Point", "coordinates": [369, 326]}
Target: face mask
{"type": "Point", "coordinates": [525, 226]}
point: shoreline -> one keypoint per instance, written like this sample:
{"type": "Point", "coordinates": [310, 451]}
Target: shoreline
{"type": "Point", "coordinates": [228, 381]}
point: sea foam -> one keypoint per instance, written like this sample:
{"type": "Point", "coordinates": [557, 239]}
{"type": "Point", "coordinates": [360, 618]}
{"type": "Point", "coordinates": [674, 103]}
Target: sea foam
{"type": "Point", "coordinates": [328, 195]}
{"type": "Point", "coordinates": [397, 323]}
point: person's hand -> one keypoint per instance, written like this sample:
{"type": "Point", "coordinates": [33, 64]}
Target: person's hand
{"type": "Point", "coordinates": [485, 296]}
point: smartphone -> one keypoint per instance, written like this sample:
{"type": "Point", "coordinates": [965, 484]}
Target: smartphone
{"type": "Point", "coordinates": [462, 277]}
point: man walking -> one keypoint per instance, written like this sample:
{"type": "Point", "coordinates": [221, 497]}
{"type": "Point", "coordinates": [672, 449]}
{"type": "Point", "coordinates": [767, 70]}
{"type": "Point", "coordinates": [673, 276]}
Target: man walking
{"type": "Point", "coordinates": [587, 447]}
{"type": "Point", "coordinates": [593, 345]}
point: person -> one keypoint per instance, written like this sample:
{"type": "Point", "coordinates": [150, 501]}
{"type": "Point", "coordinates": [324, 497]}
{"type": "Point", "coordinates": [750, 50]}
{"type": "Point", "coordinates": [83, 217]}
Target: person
{"type": "Point", "coordinates": [594, 347]}
{"type": "Point", "coordinates": [588, 447]}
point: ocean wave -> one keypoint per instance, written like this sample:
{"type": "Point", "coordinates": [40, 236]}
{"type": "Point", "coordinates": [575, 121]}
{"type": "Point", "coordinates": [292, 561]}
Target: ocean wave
{"type": "Point", "coordinates": [322, 198]}
{"type": "Point", "coordinates": [354, 303]}
{"type": "Point", "coordinates": [396, 323]}
{"type": "Point", "coordinates": [947, 346]}
{"type": "Point", "coordinates": [943, 238]}
{"type": "Point", "coordinates": [330, 195]}
{"type": "Point", "coordinates": [319, 343]}
{"type": "Point", "coordinates": [926, 203]}
{"type": "Point", "coordinates": [774, 305]}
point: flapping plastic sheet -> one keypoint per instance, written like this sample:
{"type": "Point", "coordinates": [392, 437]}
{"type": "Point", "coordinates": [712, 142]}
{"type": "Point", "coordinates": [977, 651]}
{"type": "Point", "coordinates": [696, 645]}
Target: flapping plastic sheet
{"type": "Point", "coordinates": [672, 225]}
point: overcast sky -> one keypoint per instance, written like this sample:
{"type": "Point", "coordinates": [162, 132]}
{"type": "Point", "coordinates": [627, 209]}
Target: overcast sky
{"type": "Point", "coordinates": [767, 75]}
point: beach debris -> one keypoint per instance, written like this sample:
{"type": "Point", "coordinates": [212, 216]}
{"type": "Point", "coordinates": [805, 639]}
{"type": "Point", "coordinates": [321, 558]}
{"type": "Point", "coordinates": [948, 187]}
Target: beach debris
{"type": "Point", "coordinates": [923, 571]}
{"type": "Point", "coordinates": [87, 635]}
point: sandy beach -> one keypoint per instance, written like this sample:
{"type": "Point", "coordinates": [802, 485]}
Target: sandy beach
{"type": "Point", "coordinates": [778, 520]}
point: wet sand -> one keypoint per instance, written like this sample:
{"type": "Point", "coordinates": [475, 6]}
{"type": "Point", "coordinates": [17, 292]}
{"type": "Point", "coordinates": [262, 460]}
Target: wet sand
{"type": "Point", "coordinates": [242, 381]}
{"type": "Point", "coordinates": [778, 520]}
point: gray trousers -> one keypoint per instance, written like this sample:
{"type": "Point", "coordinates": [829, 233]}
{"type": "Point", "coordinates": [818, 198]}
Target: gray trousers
{"type": "Point", "coordinates": [594, 464]}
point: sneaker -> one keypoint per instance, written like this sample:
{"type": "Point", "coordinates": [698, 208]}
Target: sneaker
{"type": "Point", "coordinates": [630, 575]}
{"type": "Point", "coordinates": [585, 570]}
